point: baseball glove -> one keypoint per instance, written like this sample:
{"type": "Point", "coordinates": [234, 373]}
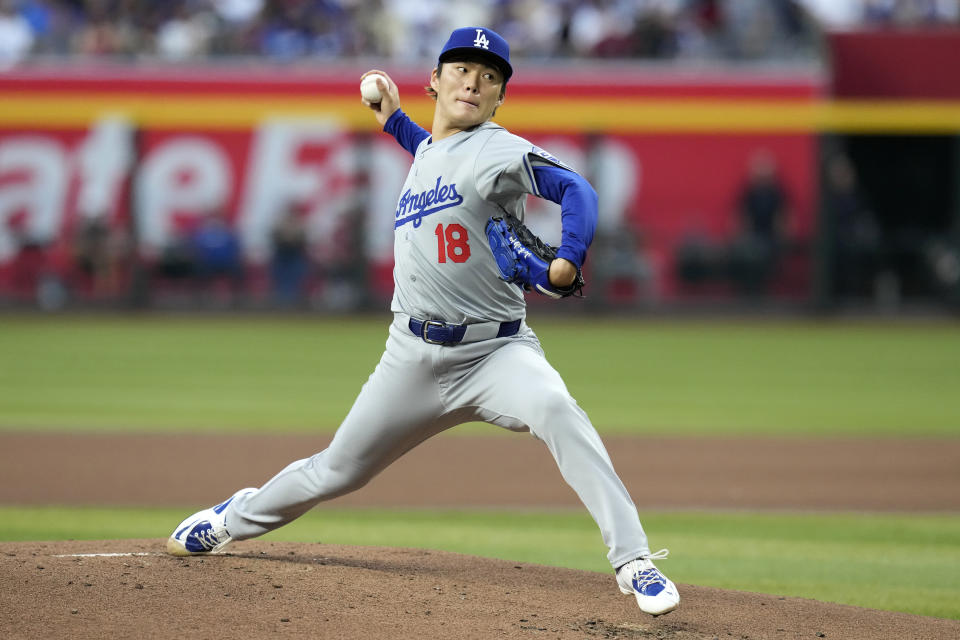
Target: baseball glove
{"type": "Point", "coordinates": [524, 259]}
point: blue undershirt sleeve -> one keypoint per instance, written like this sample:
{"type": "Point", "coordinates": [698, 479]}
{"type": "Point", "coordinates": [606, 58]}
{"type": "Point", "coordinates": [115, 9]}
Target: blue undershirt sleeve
{"type": "Point", "coordinates": [578, 209]}
{"type": "Point", "coordinates": [407, 132]}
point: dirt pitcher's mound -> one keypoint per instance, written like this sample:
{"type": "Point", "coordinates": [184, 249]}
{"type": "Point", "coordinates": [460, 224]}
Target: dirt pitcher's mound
{"type": "Point", "coordinates": [326, 591]}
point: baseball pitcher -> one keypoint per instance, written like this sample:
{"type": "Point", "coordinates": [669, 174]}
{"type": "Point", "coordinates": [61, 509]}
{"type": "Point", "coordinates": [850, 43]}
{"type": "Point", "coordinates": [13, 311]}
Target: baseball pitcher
{"type": "Point", "coordinates": [459, 348]}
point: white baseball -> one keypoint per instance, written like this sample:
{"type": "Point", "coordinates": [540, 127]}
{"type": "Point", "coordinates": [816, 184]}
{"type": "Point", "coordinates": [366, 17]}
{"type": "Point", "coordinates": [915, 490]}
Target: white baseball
{"type": "Point", "coordinates": [369, 89]}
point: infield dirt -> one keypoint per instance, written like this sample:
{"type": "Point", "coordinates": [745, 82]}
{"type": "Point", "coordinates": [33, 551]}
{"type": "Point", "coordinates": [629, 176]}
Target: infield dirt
{"type": "Point", "coordinates": [262, 589]}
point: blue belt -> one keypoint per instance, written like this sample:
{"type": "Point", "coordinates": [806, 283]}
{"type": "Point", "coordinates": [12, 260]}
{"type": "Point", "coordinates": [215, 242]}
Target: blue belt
{"type": "Point", "coordinates": [435, 332]}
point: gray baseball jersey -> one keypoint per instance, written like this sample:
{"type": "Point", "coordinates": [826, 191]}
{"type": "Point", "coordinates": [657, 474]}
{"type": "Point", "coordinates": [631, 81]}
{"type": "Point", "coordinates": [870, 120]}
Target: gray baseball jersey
{"type": "Point", "coordinates": [445, 271]}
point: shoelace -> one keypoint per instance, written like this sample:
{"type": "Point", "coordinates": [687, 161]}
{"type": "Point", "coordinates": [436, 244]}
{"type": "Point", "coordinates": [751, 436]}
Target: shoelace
{"type": "Point", "coordinates": [207, 538]}
{"type": "Point", "coordinates": [648, 577]}
{"type": "Point", "coordinates": [649, 574]}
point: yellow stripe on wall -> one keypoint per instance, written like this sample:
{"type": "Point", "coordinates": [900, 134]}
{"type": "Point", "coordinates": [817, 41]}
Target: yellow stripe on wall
{"type": "Point", "coordinates": [624, 116]}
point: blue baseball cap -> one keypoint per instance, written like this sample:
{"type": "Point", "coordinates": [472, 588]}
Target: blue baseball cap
{"type": "Point", "coordinates": [479, 41]}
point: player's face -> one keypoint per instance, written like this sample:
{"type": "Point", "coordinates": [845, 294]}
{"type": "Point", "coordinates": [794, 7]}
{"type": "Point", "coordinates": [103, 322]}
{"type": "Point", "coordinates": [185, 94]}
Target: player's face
{"type": "Point", "coordinates": [467, 93]}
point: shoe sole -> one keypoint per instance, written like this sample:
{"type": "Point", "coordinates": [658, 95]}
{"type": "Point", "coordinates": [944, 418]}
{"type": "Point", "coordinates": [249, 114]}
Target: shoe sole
{"type": "Point", "coordinates": [176, 548]}
{"type": "Point", "coordinates": [664, 612]}
{"type": "Point", "coordinates": [630, 592]}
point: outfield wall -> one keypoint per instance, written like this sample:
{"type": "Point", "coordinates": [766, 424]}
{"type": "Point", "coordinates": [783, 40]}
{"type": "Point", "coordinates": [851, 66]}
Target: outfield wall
{"type": "Point", "coordinates": [151, 151]}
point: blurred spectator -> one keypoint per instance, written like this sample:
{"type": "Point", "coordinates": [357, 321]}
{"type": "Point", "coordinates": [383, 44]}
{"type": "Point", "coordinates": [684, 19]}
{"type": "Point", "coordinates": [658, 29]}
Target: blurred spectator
{"type": "Point", "coordinates": [185, 35]}
{"type": "Point", "coordinates": [909, 13]}
{"type": "Point", "coordinates": [237, 12]}
{"type": "Point", "coordinates": [699, 261]}
{"type": "Point", "coordinates": [176, 259]}
{"type": "Point", "coordinates": [852, 234]}
{"type": "Point", "coordinates": [412, 29]}
{"type": "Point", "coordinates": [16, 35]}
{"type": "Point", "coordinates": [289, 263]}
{"type": "Point", "coordinates": [765, 29]}
{"type": "Point", "coordinates": [341, 259]}
{"type": "Point", "coordinates": [654, 35]}
{"type": "Point", "coordinates": [217, 254]}
{"type": "Point", "coordinates": [590, 25]}
{"type": "Point", "coordinates": [539, 29]}
{"type": "Point", "coordinates": [236, 27]}
{"type": "Point", "coordinates": [112, 29]}
{"type": "Point", "coordinates": [762, 204]}
{"type": "Point", "coordinates": [833, 14]}
{"type": "Point", "coordinates": [92, 254]}
{"type": "Point", "coordinates": [100, 251]}
{"type": "Point", "coordinates": [285, 31]}
{"type": "Point", "coordinates": [619, 269]}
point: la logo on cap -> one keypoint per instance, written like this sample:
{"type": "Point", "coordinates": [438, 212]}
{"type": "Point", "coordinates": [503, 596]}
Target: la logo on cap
{"type": "Point", "coordinates": [481, 40]}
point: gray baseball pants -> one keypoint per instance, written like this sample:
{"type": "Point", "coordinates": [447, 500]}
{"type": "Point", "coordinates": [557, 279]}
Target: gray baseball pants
{"type": "Point", "coordinates": [419, 390]}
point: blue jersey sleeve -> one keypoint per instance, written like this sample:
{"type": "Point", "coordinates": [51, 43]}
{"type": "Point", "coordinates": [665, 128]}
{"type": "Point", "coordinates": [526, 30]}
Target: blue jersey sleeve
{"type": "Point", "coordinates": [578, 209]}
{"type": "Point", "coordinates": [407, 132]}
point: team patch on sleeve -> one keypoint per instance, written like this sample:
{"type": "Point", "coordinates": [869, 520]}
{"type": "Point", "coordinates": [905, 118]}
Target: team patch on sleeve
{"type": "Point", "coordinates": [540, 153]}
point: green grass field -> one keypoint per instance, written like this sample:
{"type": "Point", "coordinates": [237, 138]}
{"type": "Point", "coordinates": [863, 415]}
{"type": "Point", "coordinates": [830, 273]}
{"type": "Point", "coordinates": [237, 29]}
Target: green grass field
{"type": "Point", "coordinates": [633, 377]}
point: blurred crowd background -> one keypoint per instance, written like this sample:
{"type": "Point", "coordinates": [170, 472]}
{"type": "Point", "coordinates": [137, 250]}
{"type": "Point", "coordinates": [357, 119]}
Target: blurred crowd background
{"type": "Point", "coordinates": [108, 200]}
{"type": "Point", "coordinates": [406, 29]}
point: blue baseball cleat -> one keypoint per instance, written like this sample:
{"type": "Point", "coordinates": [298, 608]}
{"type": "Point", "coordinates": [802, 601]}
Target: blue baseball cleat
{"type": "Point", "coordinates": [655, 593]}
{"type": "Point", "coordinates": [204, 532]}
